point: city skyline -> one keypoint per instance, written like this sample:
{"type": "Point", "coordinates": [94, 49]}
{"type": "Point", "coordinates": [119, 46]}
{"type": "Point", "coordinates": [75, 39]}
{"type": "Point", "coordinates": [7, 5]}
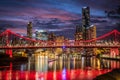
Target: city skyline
{"type": "Point", "coordinates": [58, 16]}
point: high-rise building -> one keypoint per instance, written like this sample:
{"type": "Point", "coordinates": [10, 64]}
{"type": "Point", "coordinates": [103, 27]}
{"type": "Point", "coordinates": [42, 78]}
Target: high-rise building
{"type": "Point", "coordinates": [51, 36]}
{"type": "Point", "coordinates": [92, 32]}
{"type": "Point", "coordinates": [92, 35]}
{"type": "Point", "coordinates": [29, 30]}
{"type": "Point", "coordinates": [86, 34]}
{"type": "Point", "coordinates": [86, 17]}
{"type": "Point", "coordinates": [78, 37]}
{"type": "Point", "coordinates": [78, 33]}
{"type": "Point", "coordinates": [85, 21]}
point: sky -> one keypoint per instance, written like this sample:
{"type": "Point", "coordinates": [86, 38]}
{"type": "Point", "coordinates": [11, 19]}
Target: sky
{"type": "Point", "coordinates": [58, 16]}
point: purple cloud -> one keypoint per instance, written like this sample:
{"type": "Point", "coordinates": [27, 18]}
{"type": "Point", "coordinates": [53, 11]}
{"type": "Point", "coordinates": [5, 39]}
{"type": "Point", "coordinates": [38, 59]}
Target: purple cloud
{"type": "Point", "coordinates": [58, 16]}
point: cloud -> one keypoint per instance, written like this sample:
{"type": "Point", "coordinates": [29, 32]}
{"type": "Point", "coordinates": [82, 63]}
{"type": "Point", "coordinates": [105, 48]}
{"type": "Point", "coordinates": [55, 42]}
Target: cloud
{"type": "Point", "coordinates": [22, 31]}
{"type": "Point", "coordinates": [99, 20]}
{"type": "Point", "coordinates": [75, 21]}
{"type": "Point", "coordinates": [58, 15]}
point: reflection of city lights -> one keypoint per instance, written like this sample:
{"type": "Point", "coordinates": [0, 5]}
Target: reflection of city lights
{"type": "Point", "coordinates": [36, 76]}
{"type": "Point", "coordinates": [54, 75]}
{"type": "Point", "coordinates": [50, 64]}
{"type": "Point", "coordinates": [0, 75]}
{"type": "Point", "coordinates": [64, 74]}
{"type": "Point", "coordinates": [72, 74]}
{"type": "Point", "coordinates": [63, 47]}
{"type": "Point", "coordinates": [89, 73]}
{"type": "Point", "coordinates": [82, 63]}
{"type": "Point", "coordinates": [22, 67]}
{"type": "Point", "coordinates": [64, 71]}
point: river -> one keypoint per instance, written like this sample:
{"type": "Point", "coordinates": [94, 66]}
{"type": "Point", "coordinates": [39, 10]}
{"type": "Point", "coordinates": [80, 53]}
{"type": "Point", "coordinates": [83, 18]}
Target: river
{"type": "Point", "coordinates": [62, 68]}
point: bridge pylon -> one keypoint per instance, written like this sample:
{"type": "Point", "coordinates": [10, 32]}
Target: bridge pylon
{"type": "Point", "coordinates": [114, 52]}
{"type": "Point", "coordinates": [9, 52]}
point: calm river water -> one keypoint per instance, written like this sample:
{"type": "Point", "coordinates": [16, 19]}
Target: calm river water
{"type": "Point", "coordinates": [63, 68]}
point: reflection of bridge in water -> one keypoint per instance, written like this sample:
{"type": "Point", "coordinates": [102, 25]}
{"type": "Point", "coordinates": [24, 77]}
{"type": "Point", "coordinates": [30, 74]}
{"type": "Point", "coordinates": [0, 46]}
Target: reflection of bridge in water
{"type": "Point", "coordinates": [10, 40]}
{"type": "Point", "coordinates": [38, 68]}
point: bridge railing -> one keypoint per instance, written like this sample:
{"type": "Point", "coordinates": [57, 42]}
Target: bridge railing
{"type": "Point", "coordinates": [58, 44]}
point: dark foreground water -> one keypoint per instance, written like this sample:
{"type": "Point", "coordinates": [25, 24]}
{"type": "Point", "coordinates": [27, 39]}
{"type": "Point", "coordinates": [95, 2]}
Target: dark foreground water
{"type": "Point", "coordinates": [64, 68]}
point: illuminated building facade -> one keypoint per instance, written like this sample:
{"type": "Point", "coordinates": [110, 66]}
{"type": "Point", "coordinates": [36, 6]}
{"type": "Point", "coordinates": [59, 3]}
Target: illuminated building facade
{"type": "Point", "coordinates": [59, 40]}
{"type": "Point", "coordinates": [92, 32]}
{"type": "Point", "coordinates": [85, 21]}
{"type": "Point", "coordinates": [78, 33]}
{"type": "Point", "coordinates": [41, 35]}
{"type": "Point", "coordinates": [51, 36]}
{"type": "Point", "coordinates": [29, 30]}
{"type": "Point", "coordinates": [92, 35]}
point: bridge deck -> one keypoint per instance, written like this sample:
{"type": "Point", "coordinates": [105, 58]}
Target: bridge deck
{"type": "Point", "coordinates": [32, 47]}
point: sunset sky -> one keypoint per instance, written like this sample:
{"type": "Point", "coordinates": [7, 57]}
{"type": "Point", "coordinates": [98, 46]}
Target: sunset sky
{"type": "Point", "coordinates": [59, 16]}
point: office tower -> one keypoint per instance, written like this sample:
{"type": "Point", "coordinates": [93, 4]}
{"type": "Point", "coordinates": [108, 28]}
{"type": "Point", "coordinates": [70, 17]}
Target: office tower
{"type": "Point", "coordinates": [92, 35]}
{"type": "Point", "coordinates": [78, 33]}
{"type": "Point", "coordinates": [85, 17]}
{"type": "Point", "coordinates": [51, 36]}
{"type": "Point", "coordinates": [29, 30]}
{"type": "Point", "coordinates": [85, 21]}
{"type": "Point", "coordinates": [85, 26]}
{"type": "Point", "coordinates": [92, 32]}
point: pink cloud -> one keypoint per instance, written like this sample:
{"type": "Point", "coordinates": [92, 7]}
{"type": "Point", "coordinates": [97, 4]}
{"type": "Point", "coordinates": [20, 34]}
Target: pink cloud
{"type": "Point", "coordinates": [29, 13]}
{"type": "Point", "coordinates": [18, 30]}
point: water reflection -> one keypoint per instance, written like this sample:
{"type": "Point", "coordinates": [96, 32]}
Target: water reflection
{"type": "Point", "coordinates": [41, 63]}
{"type": "Point", "coordinates": [63, 68]}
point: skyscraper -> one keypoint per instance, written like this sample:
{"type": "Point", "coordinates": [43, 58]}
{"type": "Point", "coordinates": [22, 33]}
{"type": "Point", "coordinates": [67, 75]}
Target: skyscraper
{"type": "Point", "coordinates": [85, 21]}
{"type": "Point", "coordinates": [29, 30]}
{"type": "Point", "coordinates": [86, 17]}
{"type": "Point", "coordinates": [78, 33]}
{"type": "Point", "coordinates": [51, 36]}
{"type": "Point", "coordinates": [85, 26]}
{"type": "Point", "coordinates": [92, 32]}
{"type": "Point", "coordinates": [92, 35]}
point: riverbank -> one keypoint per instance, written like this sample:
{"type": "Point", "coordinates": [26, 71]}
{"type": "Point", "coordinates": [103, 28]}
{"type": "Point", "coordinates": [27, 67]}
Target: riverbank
{"type": "Point", "coordinates": [111, 58]}
{"type": "Point", "coordinates": [113, 75]}
{"type": "Point", "coordinates": [5, 59]}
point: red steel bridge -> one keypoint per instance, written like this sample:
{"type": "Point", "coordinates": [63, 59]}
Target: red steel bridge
{"type": "Point", "coordinates": [11, 40]}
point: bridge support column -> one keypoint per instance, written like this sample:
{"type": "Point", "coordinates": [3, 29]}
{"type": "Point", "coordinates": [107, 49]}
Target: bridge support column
{"type": "Point", "coordinates": [114, 52]}
{"type": "Point", "coordinates": [9, 52]}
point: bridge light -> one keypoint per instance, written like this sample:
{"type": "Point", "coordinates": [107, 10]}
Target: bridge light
{"type": "Point", "coordinates": [63, 47]}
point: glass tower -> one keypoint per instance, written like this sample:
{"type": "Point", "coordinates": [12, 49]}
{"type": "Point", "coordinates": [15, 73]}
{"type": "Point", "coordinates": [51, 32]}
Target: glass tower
{"type": "Point", "coordinates": [29, 30]}
{"type": "Point", "coordinates": [85, 21]}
